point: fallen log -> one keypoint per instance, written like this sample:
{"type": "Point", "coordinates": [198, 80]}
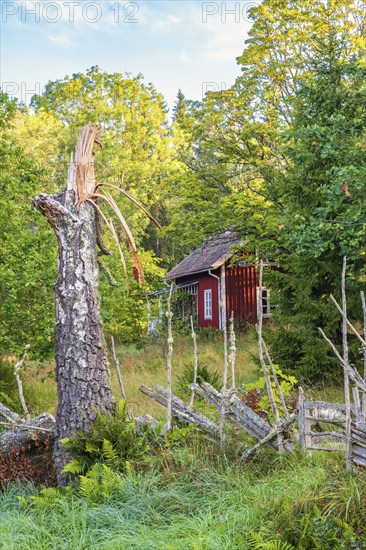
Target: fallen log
{"type": "Point", "coordinates": [27, 435]}
{"type": "Point", "coordinates": [6, 415]}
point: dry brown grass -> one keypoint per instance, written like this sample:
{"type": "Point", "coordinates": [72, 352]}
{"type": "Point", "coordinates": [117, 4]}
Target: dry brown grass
{"type": "Point", "coordinates": [146, 365]}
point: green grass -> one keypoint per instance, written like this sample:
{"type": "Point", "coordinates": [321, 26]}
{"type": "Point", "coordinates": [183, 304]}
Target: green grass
{"type": "Point", "coordinates": [202, 506]}
{"type": "Point", "coordinates": [195, 496]}
{"type": "Point", "coordinates": [148, 365]}
{"type": "Point", "coordinates": [145, 365]}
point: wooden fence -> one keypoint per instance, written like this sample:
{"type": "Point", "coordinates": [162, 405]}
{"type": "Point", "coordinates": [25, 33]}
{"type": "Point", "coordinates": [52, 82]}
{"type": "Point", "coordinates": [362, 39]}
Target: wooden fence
{"type": "Point", "coordinates": [322, 427]}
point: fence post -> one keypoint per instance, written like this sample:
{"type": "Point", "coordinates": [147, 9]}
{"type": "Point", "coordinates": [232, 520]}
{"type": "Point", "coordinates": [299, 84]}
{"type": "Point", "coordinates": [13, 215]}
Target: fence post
{"type": "Point", "coordinates": [302, 441]}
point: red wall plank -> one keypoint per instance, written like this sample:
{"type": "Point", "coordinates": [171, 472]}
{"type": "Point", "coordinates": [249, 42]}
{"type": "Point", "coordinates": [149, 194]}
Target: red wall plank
{"type": "Point", "coordinates": [241, 293]}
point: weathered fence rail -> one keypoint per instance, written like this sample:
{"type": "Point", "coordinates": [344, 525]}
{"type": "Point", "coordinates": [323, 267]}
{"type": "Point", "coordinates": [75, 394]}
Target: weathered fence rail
{"type": "Point", "coordinates": [234, 410]}
{"type": "Point", "coordinates": [239, 413]}
{"type": "Point", "coordinates": [180, 409]}
{"type": "Point", "coordinates": [323, 412]}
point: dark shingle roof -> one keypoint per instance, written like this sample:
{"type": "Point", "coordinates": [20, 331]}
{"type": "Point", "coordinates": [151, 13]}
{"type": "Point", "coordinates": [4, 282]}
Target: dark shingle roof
{"type": "Point", "coordinates": [206, 257]}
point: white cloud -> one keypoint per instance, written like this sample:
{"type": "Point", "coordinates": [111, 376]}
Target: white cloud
{"type": "Point", "coordinates": [63, 40]}
{"type": "Point", "coordinates": [166, 23]}
{"type": "Point", "coordinates": [184, 57]}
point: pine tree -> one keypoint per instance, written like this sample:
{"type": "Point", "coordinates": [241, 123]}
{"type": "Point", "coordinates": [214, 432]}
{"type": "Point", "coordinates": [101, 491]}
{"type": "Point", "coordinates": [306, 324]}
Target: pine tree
{"type": "Point", "coordinates": [179, 109]}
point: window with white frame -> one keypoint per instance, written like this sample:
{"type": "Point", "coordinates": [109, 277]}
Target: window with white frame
{"type": "Point", "coordinates": [264, 300]}
{"type": "Point", "coordinates": [207, 304]}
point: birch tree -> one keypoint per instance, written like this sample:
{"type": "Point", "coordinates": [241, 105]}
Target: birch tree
{"type": "Point", "coordinates": [82, 372]}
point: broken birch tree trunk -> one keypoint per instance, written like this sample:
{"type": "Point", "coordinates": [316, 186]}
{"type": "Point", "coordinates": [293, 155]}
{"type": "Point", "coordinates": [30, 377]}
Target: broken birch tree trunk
{"type": "Point", "coordinates": [82, 371]}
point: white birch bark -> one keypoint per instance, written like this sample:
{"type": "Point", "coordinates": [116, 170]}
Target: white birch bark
{"type": "Point", "coordinates": [169, 361]}
{"type": "Point", "coordinates": [195, 361]}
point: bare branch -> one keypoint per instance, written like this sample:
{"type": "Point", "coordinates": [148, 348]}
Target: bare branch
{"type": "Point", "coordinates": [17, 368]}
{"type": "Point", "coordinates": [349, 324]}
{"type": "Point", "coordinates": [347, 395]}
{"type": "Point", "coordinates": [25, 427]}
{"type": "Point", "coordinates": [263, 363]}
{"type": "Point", "coordinates": [135, 201]}
{"type": "Point", "coordinates": [116, 364]}
{"type": "Point", "coordinates": [278, 386]}
{"type": "Point", "coordinates": [353, 374]}
{"type": "Point", "coordinates": [99, 236]}
{"type": "Point", "coordinates": [112, 281]}
{"type": "Point", "coordinates": [114, 234]}
{"type": "Point", "coordinates": [169, 361]}
{"type": "Point", "coordinates": [195, 361]}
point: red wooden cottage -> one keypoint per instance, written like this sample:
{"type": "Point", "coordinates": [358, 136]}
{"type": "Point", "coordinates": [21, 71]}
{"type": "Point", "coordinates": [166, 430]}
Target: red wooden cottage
{"type": "Point", "coordinates": [215, 285]}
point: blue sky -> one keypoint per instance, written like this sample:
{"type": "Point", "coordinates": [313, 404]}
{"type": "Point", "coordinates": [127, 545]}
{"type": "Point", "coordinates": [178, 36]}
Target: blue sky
{"type": "Point", "coordinates": [187, 44]}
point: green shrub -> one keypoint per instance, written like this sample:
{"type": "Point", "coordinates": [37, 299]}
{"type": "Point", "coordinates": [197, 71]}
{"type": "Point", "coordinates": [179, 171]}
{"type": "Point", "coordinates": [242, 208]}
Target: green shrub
{"type": "Point", "coordinates": [287, 383]}
{"type": "Point", "coordinates": [203, 375]}
{"type": "Point", "coordinates": [112, 440]}
{"type": "Point", "coordinates": [8, 387]}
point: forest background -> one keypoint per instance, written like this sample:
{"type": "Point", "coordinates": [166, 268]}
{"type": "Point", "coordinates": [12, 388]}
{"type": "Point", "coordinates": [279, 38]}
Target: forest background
{"type": "Point", "coordinates": [280, 158]}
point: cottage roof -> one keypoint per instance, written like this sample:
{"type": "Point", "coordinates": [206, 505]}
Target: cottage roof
{"type": "Point", "coordinates": [210, 255]}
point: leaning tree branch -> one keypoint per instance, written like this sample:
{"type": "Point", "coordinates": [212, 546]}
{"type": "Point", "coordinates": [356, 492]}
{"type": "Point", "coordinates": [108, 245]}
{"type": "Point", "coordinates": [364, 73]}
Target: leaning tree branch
{"type": "Point", "coordinates": [349, 324]}
{"type": "Point", "coordinates": [112, 281]}
{"type": "Point", "coordinates": [116, 364]}
{"type": "Point", "coordinates": [7, 415]}
{"type": "Point", "coordinates": [353, 374]}
{"type": "Point", "coordinates": [99, 236]}
{"type": "Point", "coordinates": [17, 368]}
{"type": "Point", "coordinates": [25, 427]}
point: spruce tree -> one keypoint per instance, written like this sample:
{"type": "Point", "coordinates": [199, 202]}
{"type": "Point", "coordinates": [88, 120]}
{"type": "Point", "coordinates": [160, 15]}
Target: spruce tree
{"type": "Point", "coordinates": [325, 196]}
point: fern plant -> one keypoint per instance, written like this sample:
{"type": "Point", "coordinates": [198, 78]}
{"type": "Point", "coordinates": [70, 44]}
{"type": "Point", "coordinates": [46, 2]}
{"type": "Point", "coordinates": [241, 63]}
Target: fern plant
{"type": "Point", "coordinates": [112, 440]}
{"type": "Point", "coordinates": [100, 483]}
{"type": "Point", "coordinates": [257, 542]}
{"type": "Point", "coordinates": [203, 375]}
{"type": "Point", "coordinates": [48, 498]}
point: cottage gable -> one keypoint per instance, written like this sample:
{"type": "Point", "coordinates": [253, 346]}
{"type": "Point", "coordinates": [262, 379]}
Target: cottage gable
{"type": "Point", "coordinates": [211, 255]}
